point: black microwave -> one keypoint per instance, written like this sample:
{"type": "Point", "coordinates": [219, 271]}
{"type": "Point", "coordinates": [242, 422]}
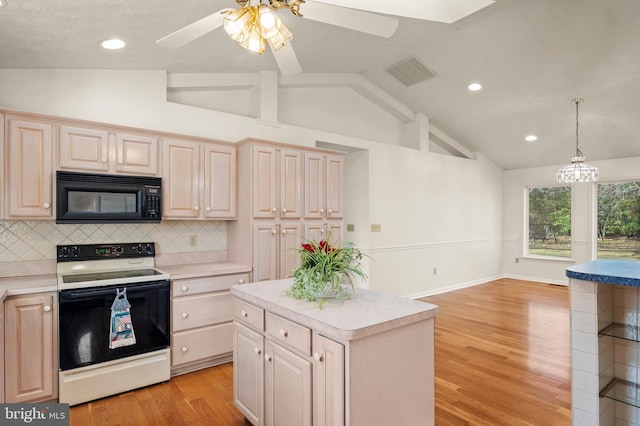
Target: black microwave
{"type": "Point", "coordinates": [100, 198]}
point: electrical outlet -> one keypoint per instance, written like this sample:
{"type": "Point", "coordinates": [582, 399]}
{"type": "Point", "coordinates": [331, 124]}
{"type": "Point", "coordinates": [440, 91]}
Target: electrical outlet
{"type": "Point", "coordinates": [517, 260]}
{"type": "Point", "coordinates": [193, 240]}
{"type": "Point", "coordinates": [351, 227]}
{"type": "Point", "coordinates": [435, 271]}
{"type": "Point", "coordinates": [375, 227]}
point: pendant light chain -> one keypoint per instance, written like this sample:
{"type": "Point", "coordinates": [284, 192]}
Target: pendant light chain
{"type": "Point", "coordinates": [577, 101]}
{"type": "Point", "coordinates": [577, 170]}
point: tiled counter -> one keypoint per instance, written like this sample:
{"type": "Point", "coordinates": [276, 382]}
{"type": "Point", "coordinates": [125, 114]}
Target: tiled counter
{"type": "Point", "coordinates": [605, 360]}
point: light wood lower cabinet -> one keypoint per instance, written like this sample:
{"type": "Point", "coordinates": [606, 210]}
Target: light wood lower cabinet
{"type": "Point", "coordinates": [201, 321]}
{"type": "Point", "coordinates": [278, 380]}
{"type": "Point", "coordinates": [30, 348]}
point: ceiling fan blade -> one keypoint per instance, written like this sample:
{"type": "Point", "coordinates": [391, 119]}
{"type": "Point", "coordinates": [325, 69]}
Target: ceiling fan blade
{"type": "Point", "coordinates": [193, 31]}
{"type": "Point", "coordinates": [287, 60]}
{"type": "Point", "coordinates": [358, 20]}
{"type": "Point", "coordinates": [447, 11]}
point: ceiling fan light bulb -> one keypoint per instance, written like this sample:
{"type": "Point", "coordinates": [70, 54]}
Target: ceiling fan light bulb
{"type": "Point", "coordinates": [281, 38]}
{"type": "Point", "coordinates": [236, 22]}
{"type": "Point", "coordinates": [253, 41]}
{"type": "Point", "coordinates": [268, 22]}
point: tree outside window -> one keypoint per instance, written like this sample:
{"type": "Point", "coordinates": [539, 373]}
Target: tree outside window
{"type": "Point", "coordinates": [619, 220]}
{"type": "Point", "coordinates": [549, 223]}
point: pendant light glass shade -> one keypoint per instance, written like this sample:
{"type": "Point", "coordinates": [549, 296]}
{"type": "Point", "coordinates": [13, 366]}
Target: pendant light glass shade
{"type": "Point", "coordinates": [283, 37]}
{"type": "Point", "coordinates": [578, 170]}
{"type": "Point", "coordinates": [236, 22]}
{"type": "Point", "coordinates": [253, 26]}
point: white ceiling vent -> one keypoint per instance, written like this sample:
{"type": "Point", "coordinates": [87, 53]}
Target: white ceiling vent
{"type": "Point", "coordinates": [410, 71]}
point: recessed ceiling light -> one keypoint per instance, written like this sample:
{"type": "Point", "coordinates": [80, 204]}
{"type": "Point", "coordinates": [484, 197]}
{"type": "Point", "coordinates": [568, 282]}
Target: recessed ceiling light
{"type": "Point", "coordinates": [531, 138]}
{"type": "Point", "coordinates": [3, 3]}
{"type": "Point", "coordinates": [474, 87]}
{"type": "Point", "coordinates": [111, 44]}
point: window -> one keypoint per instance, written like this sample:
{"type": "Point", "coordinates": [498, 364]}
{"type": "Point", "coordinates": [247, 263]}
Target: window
{"type": "Point", "coordinates": [619, 220]}
{"type": "Point", "coordinates": [549, 222]}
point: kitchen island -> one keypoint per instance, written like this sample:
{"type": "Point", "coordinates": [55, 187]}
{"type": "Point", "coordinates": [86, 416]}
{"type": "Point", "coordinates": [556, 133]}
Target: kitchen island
{"type": "Point", "coordinates": [604, 342]}
{"type": "Point", "coordinates": [365, 361]}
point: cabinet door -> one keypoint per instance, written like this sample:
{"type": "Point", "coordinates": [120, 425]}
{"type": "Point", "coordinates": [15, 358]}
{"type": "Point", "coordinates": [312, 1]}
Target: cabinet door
{"type": "Point", "coordinates": [30, 169]}
{"type": "Point", "coordinates": [30, 351]}
{"type": "Point", "coordinates": [334, 233]}
{"type": "Point", "coordinates": [315, 231]}
{"type": "Point", "coordinates": [83, 149]}
{"type": "Point", "coordinates": [290, 184]}
{"type": "Point", "coordinates": [314, 182]}
{"type": "Point", "coordinates": [287, 387]}
{"type": "Point", "coordinates": [248, 378]}
{"type": "Point", "coordinates": [328, 382]}
{"type": "Point", "coordinates": [334, 172]}
{"type": "Point", "coordinates": [220, 181]}
{"type": "Point", "coordinates": [136, 154]}
{"type": "Point", "coordinates": [290, 240]}
{"type": "Point", "coordinates": [264, 252]}
{"type": "Point", "coordinates": [264, 182]}
{"type": "Point", "coordinates": [181, 168]}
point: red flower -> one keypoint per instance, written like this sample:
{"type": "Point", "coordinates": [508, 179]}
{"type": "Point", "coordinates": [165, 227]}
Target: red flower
{"type": "Point", "coordinates": [308, 247]}
{"type": "Point", "coordinates": [324, 246]}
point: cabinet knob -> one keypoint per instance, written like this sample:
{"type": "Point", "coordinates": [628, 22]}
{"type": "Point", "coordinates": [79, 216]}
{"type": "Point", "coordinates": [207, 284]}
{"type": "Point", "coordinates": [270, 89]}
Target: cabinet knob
{"type": "Point", "coordinates": [322, 230]}
{"type": "Point", "coordinates": [208, 208]}
{"type": "Point", "coordinates": [273, 209]}
{"type": "Point", "coordinates": [321, 210]}
{"type": "Point", "coordinates": [284, 231]}
{"type": "Point", "coordinates": [185, 315]}
{"type": "Point", "coordinates": [284, 210]}
{"type": "Point", "coordinates": [330, 211]}
{"type": "Point", "coordinates": [47, 308]}
{"type": "Point", "coordinates": [283, 332]}
{"type": "Point", "coordinates": [196, 208]}
{"type": "Point", "coordinates": [257, 350]}
{"type": "Point", "coordinates": [317, 357]}
{"type": "Point", "coordinates": [267, 357]}
{"type": "Point", "coordinates": [185, 288]}
{"type": "Point", "coordinates": [273, 231]}
{"type": "Point", "coordinates": [185, 349]}
{"type": "Point", "coordinates": [240, 281]}
{"type": "Point", "coordinates": [244, 313]}
{"type": "Point", "coordinates": [46, 205]}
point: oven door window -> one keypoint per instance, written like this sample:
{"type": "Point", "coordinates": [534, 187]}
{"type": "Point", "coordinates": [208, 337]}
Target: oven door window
{"type": "Point", "coordinates": [84, 322]}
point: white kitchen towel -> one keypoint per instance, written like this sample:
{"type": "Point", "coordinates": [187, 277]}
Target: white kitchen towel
{"type": "Point", "coordinates": [121, 326]}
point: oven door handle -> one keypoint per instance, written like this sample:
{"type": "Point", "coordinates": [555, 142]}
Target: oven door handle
{"type": "Point", "coordinates": [69, 295]}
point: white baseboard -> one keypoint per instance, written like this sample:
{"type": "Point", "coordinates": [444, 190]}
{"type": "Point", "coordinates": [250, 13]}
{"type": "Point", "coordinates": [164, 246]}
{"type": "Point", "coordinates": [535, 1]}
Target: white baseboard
{"type": "Point", "coordinates": [538, 280]}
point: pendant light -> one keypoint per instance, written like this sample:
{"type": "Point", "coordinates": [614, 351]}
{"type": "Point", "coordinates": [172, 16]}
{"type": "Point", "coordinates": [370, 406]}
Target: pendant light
{"type": "Point", "coordinates": [578, 170]}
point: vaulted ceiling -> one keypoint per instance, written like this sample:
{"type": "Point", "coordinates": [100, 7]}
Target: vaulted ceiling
{"type": "Point", "coordinates": [531, 56]}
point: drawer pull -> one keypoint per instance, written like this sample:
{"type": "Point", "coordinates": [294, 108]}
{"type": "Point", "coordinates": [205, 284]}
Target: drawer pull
{"type": "Point", "coordinates": [257, 351]}
{"type": "Point", "coordinates": [267, 357]}
{"type": "Point", "coordinates": [244, 313]}
{"type": "Point", "coordinates": [185, 349]}
{"type": "Point", "coordinates": [185, 288]}
{"type": "Point", "coordinates": [47, 308]}
{"type": "Point", "coordinates": [240, 281]}
{"type": "Point", "coordinates": [317, 357]}
{"type": "Point", "coordinates": [185, 315]}
{"type": "Point", "coordinates": [283, 332]}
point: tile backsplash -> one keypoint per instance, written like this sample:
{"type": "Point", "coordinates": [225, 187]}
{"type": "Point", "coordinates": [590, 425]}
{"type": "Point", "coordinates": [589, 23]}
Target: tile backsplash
{"type": "Point", "coordinates": [22, 240]}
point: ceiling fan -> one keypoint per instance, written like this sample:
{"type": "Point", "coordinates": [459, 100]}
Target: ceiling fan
{"type": "Point", "coordinates": [252, 25]}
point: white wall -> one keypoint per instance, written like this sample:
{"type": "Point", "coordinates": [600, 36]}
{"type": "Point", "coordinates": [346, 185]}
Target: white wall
{"type": "Point", "coordinates": [435, 211]}
{"type": "Point", "coordinates": [583, 205]}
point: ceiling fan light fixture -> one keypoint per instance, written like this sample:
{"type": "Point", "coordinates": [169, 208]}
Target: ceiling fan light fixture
{"type": "Point", "coordinates": [237, 21]}
{"type": "Point", "coordinates": [268, 21]}
{"type": "Point", "coordinates": [252, 40]}
{"type": "Point", "coordinates": [283, 37]}
{"type": "Point", "coordinates": [577, 170]}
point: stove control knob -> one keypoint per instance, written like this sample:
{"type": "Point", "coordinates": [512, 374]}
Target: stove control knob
{"type": "Point", "coordinates": [64, 252]}
{"type": "Point", "coordinates": [75, 251]}
{"type": "Point", "coordinates": [148, 248]}
{"type": "Point", "coordinates": [118, 250]}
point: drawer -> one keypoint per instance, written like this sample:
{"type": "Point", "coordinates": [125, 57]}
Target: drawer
{"type": "Point", "coordinates": [288, 332]}
{"type": "Point", "coordinates": [201, 310]}
{"type": "Point", "coordinates": [191, 286]}
{"type": "Point", "coordinates": [248, 314]}
{"type": "Point", "coordinates": [200, 344]}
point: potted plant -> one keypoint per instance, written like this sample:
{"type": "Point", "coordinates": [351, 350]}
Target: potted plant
{"type": "Point", "coordinates": [325, 271]}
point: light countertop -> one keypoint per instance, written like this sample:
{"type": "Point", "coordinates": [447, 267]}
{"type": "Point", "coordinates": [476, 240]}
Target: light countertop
{"type": "Point", "coordinates": [368, 313]}
{"type": "Point", "coordinates": [620, 272]}
{"type": "Point", "coordinates": [196, 270]}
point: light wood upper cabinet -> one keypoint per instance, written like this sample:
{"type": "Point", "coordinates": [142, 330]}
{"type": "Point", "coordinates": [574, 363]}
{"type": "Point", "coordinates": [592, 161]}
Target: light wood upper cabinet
{"type": "Point", "coordinates": [30, 348]}
{"type": "Point", "coordinates": [220, 181]}
{"type": "Point", "coordinates": [181, 186]}
{"type": "Point", "coordinates": [102, 151]}
{"type": "Point", "coordinates": [274, 249]}
{"type": "Point", "coordinates": [277, 176]}
{"type": "Point", "coordinates": [136, 154]}
{"type": "Point", "coordinates": [30, 169]}
{"type": "Point", "coordinates": [199, 180]}
{"type": "Point", "coordinates": [323, 186]}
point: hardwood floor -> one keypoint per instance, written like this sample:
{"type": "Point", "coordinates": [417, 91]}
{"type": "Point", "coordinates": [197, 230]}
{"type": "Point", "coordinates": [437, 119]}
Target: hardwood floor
{"type": "Point", "coordinates": [502, 357]}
